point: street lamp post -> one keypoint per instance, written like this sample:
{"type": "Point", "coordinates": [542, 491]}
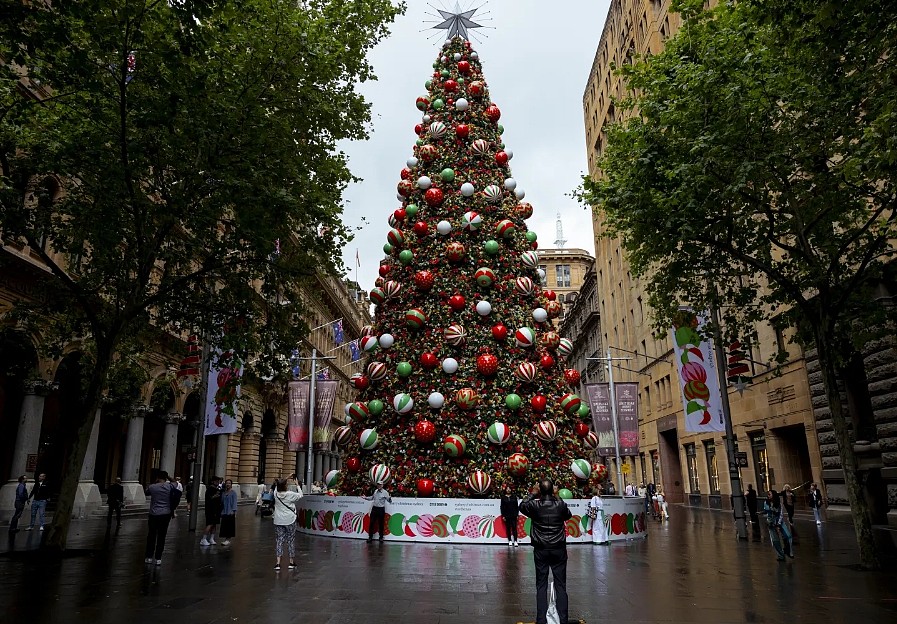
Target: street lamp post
{"type": "Point", "coordinates": [200, 435]}
{"type": "Point", "coordinates": [309, 456]}
{"type": "Point", "coordinates": [609, 362]}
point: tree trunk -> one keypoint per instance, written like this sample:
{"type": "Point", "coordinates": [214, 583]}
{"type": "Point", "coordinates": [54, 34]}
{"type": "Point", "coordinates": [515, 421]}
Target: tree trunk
{"type": "Point", "coordinates": [84, 415]}
{"type": "Point", "coordinates": [859, 508]}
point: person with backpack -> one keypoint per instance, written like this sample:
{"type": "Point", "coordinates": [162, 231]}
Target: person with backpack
{"type": "Point", "coordinates": [596, 517]}
{"type": "Point", "coordinates": [160, 495]}
{"type": "Point", "coordinates": [285, 515]}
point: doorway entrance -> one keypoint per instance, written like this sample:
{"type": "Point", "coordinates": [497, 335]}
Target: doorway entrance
{"type": "Point", "coordinates": [671, 467]}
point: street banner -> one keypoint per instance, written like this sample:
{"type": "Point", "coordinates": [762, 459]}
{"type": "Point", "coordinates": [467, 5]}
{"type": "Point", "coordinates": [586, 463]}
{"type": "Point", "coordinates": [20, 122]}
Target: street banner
{"type": "Point", "coordinates": [222, 392]}
{"type": "Point", "coordinates": [598, 396]}
{"type": "Point", "coordinates": [297, 413]}
{"type": "Point", "coordinates": [626, 398]}
{"type": "Point", "coordinates": [698, 380]}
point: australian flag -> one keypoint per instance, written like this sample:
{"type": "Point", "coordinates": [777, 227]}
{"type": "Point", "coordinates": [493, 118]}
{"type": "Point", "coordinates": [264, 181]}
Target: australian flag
{"type": "Point", "coordinates": [338, 332]}
{"type": "Point", "coordinates": [356, 352]}
{"type": "Point", "coordinates": [324, 375]}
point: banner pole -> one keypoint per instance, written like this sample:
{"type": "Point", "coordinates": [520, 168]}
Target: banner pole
{"type": "Point", "coordinates": [200, 436]}
{"type": "Point", "coordinates": [613, 412]}
{"type": "Point", "coordinates": [309, 456]}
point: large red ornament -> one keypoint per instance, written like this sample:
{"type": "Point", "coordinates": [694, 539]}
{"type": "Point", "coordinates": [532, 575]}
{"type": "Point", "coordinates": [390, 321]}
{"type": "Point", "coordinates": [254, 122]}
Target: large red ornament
{"type": "Point", "coordinates": [493, 114]}
{"type": "Point", "coordinates": [539, 403]}
{"type": "Point", "coordinates": [361, 382]}
{"type": "Point", "coordinates": [434, 196]}
{"type": "Point", "coordinates": [571, 376]}
{"type": "Point", "coordinates": [549, 294]}
{"type": "Point", "coordinates": [462, 131]}
{"type": "Point", "coordinates": [581, 430]}
{"type": "Point", "coordinates": [425, 487]}
{"type": "Point", "coordinates": [464, 67]}
{"type": "Point", "coordinates": [546, 361]}
{"type": "Point", "coordinates": [487, 364]}
{"type": "Point", "coordinates": [456, 302]}
{"type": "Point", "coordinates": [399, 214]}
{"type": "Point", "coordinates": [502, 158]}
{"type": "Point", "coordinates": [424, 280]}
{"type": "Point", "coordinates": [353, 464]}
{"type": "Point", "coordinates": [405, 187]}
{"type": "Point", "coordinates": [420, 228]}
{"type": "Point", "coordinates": [476, 88]}
{"type": "Point", "coordinates": [417, 130]}
{"type": "Point", "coordinates": [524, 210]}
{"type": "Point", "coordinates": [429, 152]}
{"type": "Point", "coordinates": [499, 332]}
{"type": "Point", "coordinates": [553, 308]}
{"type": "Point", "coordinates": [428, 360]}
{"type": "Point", "coordinates": [422, 103]}
{"type": "Point", "coordinates": [406, 173]}
{"type": "Point", "coordinates": [424, 431]}
{"type": "Point", "coordinates": [454, 252]}
{"type": "Point", "coordinates": [384, 270]}
{"type": "Point", "coordinates": [450, 85]}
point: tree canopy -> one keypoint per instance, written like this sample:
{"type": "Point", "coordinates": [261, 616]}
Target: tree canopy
{"type": "Point", "coordinates": [757, 173]}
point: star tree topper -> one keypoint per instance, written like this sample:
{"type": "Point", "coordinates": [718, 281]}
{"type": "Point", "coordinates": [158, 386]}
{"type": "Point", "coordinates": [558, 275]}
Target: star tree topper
{"type": "Point", "coordinates": [457, 23]}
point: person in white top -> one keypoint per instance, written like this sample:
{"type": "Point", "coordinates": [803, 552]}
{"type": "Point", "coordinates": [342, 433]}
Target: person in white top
{"type": "Point", "coordinates": [599, 529]}
{"type": "Point", "coordinates": [258, 497]}
{"type": "Point", "coordinates": [630, 489]}
{"type": "Point", "coordinates": [662, 503]}
{"type": "Point", "coordinates": [285, 515]}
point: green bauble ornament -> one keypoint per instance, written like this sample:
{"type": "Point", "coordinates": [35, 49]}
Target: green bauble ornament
{"type": "Point", "coordinates": [491, 247]}
{"type": "Point", "coordinates": [565, 494]}
{"type": "Point", "coordinates": [513, 401]}
{"type": "Point", "coordinates": [531, 236]}
{"type": "Point", "coordinates": [460, 80]}
{"type": "Point", "coordinates": [387, 248]}
{"type": "Point", "coordinates": [435, 64]}
{"type": "Point", "coordinates": [419, 142]}
{"type": "Point", "coordinates": [445, 73]}
{"type": "Point", "coordinates": [428, 84]}
{"type": "Point", "coordinates": [375, 407]}
{"type": "Point", "coordinates": [411, 210]}
{"type": "Point", "coordinates": [438, 104]}
{"type": "Point", "coordinates": [447, 175]}
{"type": "Point", "coordinates": [403, 369]}
{"type": "Point", "coordinates": [406, 257]}
{"type": "Point", "coordinates": [583, 410]}
{"type": "Point", "coordinates": [501, 129]}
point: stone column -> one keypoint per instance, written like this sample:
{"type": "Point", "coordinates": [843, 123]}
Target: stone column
{"type": "Point", "coordinates": [31, 415]}
{"type": "Point", "coordinates": [273, 458]}
{"type": "Point", "coordinates": [134, 491]}
{"type": "Point", "coordinates": [319, 466]}
{"type": "Point", "coordinates": [170, 442]}
{"type": "Point", "coordinates": [302, 468]}
{"type": "Point", "coordinates": [88, 498]}
{"type": "Point", "coordinates": [247, 471]}
{"type": "Point", "coordinates": [221, 456]}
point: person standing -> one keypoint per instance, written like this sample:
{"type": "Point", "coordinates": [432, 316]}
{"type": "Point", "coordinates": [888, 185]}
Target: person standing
{"type": "Point", "coordinates": [19, 504]}
{"type": "Point", "coordinates": [596, 515]}
{"type": "Point", "coordinates": [662, 505]}
{"type": "Point", "coordinates": [262, 490]}
{"type": "Point", "coordinates": [779, 535]}
{"type": "Point", "coordinates": [159, 517]}
{"type": "Point", "coordinates": [629, 490]}
{"type": "Point", "coordinates": [213, 512]}
{"type": "Point", "coordinates": [548, 535]}
{"type": "Point", "coordinates": [180, 488]}
{"type": "Point", "coordinates": [228, 512]}
{"type": "Point", "coordinates": [285, 515]}
{"type": "Point", "coordinates": [378, 511]}
{"type": "Point", "coordinates": [188, 492]}
{"type": "Point", "coordinates": [115, 499]}
{"type": "Point", "coordinates": [40, 494]}
{"type": "Point", "coordinates": [815, 501]}
{"type": "Point", "coordinates": [750, 498]}
{"type": "Point", "coordinates": [788, 504]}
{"type": "Point", "coordinates": [510, 511]}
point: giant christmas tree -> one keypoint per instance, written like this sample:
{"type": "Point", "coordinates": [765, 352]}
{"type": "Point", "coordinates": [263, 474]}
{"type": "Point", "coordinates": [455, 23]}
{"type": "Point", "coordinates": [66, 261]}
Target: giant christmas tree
{"type": "Point", "coordinates": [464, 387]}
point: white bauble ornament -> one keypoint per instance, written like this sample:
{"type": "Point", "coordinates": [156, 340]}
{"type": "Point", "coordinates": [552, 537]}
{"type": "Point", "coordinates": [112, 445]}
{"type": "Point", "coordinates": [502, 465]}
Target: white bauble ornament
{"type": "Point", "coordinates": [426, 119]}
{"type": "Point", "coordinates": [386, 341]}
{"type": "Point", "coordinates": [436, 400]}
{"type": "Point", "coordinates": [484, 308]}
{"type": "Point", "coordinates": [509, 153]}
{"type": "Point", "coordinates": [462, 104]}
{"type": "Point", "coordinates": [467, 189]}
{"type": "Point", "coordinates": [450, 365]}
{"type": "Point", "coordinates": [474, 56]}
{"type": "Point", "coordinates": [424, 182]}
{"type": "Point", "coordinates": [400, 197]}
{"type": "Point", "coordinates": [540, 315]}
{"type": "Point", "coordinates": [510, 184]}
{"type": "Point", "coordinates": [542, 274]}
{"type": "Point", "coordinates": [519, 193]}
{"type": "Point", "coordinates": [411, 162]}
{"type": "Point", "coordinates": [444, 228]}
{"type": "Point", "coordinates": [456, 56]}
{"type": "Point", "coordinates": [346, 409]}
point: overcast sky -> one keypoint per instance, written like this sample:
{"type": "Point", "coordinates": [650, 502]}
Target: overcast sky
{"type": "Point", "coordinates": [536, 58]}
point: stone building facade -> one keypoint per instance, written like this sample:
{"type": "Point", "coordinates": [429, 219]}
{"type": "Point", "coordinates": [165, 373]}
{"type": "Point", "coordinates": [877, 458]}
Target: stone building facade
{"type": "Point", "coordinates": [565, 271]}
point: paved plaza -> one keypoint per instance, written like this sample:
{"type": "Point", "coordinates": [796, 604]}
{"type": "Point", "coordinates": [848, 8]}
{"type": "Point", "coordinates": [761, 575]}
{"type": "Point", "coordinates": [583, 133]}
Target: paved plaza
{"type": "Point", "coordinates": [689, 570]}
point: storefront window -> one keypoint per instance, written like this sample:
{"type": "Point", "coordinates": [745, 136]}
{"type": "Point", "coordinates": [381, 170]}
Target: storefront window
{"type": "Point", "coordinates": [692, 463]}
{"type": "Point", "coordinates": [712, 469]}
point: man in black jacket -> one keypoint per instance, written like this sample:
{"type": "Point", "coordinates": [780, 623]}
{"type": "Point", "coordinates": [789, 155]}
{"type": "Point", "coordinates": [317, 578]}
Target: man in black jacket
{"type": "Point", "coordinates": [548, 534]}
{"type": "Point", "coordinates": [115, 499]}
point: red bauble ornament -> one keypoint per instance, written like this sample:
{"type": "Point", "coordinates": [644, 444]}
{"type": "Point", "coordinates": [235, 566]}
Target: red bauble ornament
{"type": "Point", "coordinates": [546, 361]}
{"type": "Point", "coordinates": [493, 114]}
{"type": "Point", "coordinates": [424, 280]}
{"type": "Point", "coordinates": [581, 429]}
{"type": "Point", "coordinates": [405, 187]}
{"type": "Point", "coordinates": [428, 360]}
{"type": "Point", "coordinates": [434, 196]}
{"type": "Point", "coordinates": [421, 229]}
{"type": "Point", "coordinates": [456, 302]}
{"type": "Point", "coordinates": [361, 382]}
{"type": "Point", "coordinates": [384, 270]}
{"type": "Point", "coordinates": [499, 332]}
{"type": "Point", "coordinates": [417, 130]}
{"type": "Point", "coordinates": [425, 487]}
{"type": "Point", "coordinates": [539, 403]}
{"type": "Point", "coordinates": [462, 131]}
{"type": "Point", "coordinates": [476, 88]}
{"type": "Point", "coordinates": [428, 152]}
{"type": "Point", "coordinates": [399, 214]}
{"type": "Point", "coordinates": [353, 464]}
{"type": "Point", "coordinates": [406, 173]}
{"type": "Point", "coordinates": [502, 158]}
{"type": "Point", "coordinates": [571, 376]}
{"type": "Point", "coordinates": [450, 85]}
{"type": "Point", "coordinates": [454, 251]}
{"type": "Point", "coordinates": [487, 364]}
{"type": "Point", "coordinates": [464, 67]}
{"type": "Point", "coordinates": [424, 431]}
{"type": "Point", "coordinates": [549, 294]}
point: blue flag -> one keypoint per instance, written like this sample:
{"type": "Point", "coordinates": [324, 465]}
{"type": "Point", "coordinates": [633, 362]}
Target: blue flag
{"type": "Point", "coordinates": [338, 332]}
{"type": "Point", "coordinates": [356, 352]}
{"type": "Point", "coordinates": [324, 375]}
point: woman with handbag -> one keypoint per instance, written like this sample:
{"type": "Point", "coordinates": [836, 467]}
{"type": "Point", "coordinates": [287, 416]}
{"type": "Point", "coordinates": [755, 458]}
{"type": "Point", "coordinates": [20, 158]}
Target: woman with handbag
{"type": "Point", "coordinates": [596, 517]}
{"type": "Point", "coordinates": [228, 513]}
{"type": "Point", "coordinates": [285, 516]}
{"type": "Point", "coordinates": [779, 533]}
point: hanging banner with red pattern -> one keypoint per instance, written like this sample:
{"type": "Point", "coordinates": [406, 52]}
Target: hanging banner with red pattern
{"type": "Point", "coordinates": [698, 380]}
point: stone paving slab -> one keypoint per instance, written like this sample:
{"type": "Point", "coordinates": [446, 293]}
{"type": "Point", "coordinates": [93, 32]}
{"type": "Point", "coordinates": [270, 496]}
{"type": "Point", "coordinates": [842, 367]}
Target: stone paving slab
{"type": "Point", "coordinates": [689, 570]}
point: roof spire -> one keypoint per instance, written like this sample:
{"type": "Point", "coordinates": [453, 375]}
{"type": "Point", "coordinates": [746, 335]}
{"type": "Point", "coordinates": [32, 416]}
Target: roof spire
{"type": "Point", "coordinates": [560, 241]}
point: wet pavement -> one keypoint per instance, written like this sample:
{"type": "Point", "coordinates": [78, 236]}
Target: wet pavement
{"type": "Point", "coordinates": [690, 569]}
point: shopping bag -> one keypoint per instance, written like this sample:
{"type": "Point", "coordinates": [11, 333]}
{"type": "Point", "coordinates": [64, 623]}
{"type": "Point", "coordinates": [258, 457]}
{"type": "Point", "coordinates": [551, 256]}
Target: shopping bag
{"type": "Point", "coordinates": [552, 617]}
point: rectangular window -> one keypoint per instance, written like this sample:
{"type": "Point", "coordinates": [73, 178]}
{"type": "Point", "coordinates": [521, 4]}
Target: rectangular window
{"type": "Point", "coordinates": [562, 275]}
{"type": "Point", "coordinates": [712, 468]}
{"type": "Point", "coordinates": [691, 461]}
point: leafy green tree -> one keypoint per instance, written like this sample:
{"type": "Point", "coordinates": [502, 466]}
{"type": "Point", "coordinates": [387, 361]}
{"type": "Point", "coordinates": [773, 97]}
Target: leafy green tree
{"type": "Point", "coordinates": [179, 159]}
{"type": "Point", "coordinates": [762, 152]}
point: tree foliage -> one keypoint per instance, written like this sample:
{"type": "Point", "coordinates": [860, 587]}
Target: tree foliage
{"type": "Point", "coordinates": [179, 159]}
{"type": "Point", "coordinates": [763, 154]}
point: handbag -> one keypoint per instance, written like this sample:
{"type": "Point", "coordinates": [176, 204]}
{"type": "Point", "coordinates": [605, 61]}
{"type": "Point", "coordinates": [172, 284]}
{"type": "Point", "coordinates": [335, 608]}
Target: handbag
{"type": "Point", "coordinates": [592, 513]}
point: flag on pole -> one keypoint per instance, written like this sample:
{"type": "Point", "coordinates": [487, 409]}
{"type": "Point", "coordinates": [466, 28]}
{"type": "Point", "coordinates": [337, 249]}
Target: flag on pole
{"type": "Point", "coordinates": [356, 352]}
{"type": "Point", "coordinates": [357, 258]}
{"type": "Point", "coordinates": [338, 332]}
{"type": "Point", "coordinates": [324, 375]}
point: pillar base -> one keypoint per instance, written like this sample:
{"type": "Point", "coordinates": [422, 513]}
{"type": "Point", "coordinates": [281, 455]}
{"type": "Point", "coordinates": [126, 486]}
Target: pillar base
{"type": "Point", "coordinates": [248, 491]}
{"type": "Point", "coordinates": [87, 499]}
{"type": "Point", "coordinates": [8, 499]}
{"type": "Point", "coordinates": [134, 494]}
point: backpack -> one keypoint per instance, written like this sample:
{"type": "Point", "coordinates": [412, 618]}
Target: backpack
{"type": "Point", "coordinates": [174, 498]}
